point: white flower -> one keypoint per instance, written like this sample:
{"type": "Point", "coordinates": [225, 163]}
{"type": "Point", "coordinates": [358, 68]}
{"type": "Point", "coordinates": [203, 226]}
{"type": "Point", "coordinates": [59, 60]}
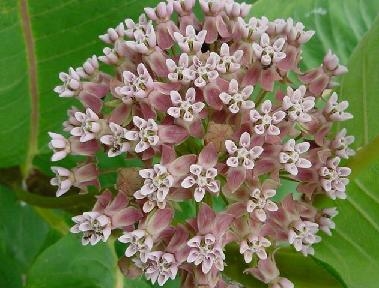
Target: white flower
{"type": "Point", "coordinates": [243, 155]}
{"type": "Point", "coordinates": [237, 99]}
{"type": "Point", "coordinates": [132, 28]}
{"type": "Point", "coordinates": [89, 68]}
{"type": "Point", "coordinates": [147, 134]}
{"type": "Point", "coordinates": [298, 106]}
{"type": "Point", "coordinates": [203, 73]}
{"type": "Point", "coordinates": [117, 140]}
{"type": "Point", "coordinates": [254, 245]}
{"type": "Point", "coordinates": [333, 178]}
{"type": "Point", "coordinates": [206, 251]}
{"type": "Point", "coordinates": [60, 146]}
{"type": "Point", "coordinates": [290, 156]}
{"type": "Point", "coordinates": [139, 242]}
{"type": "Point", "coordinates": [94, 226]}
{"type": "Point", "coordinates": [145, 40]}
{"type": "Point", "coordinates": [64, 179]}
{"type": "Point", "coordinates": [259, 203]}
{"type": "Point", "coordinates": [268, 53]}
{"type": "Point", "coordinates": [90, 125]}
{"type": "Point", "coordinates": [203, 179]}
{"type": "Point", "coordinates": [136, 87]}
{"type": "Point", "coordinates": [341, 144]}
{"type": "Point", "coordinates": [267, 121]}
{"type": "Point", "coordinates": [155, 188]}
{"type": "Point", "coordinates": [295, 32]}
{"type": "Point", "coordinates": [303, 235]}
{"type": "Point", "coordinates": [335, 110]}
{"type": "Point", "coordinates": [177, 70]}
{"type": "Point", "coordinates": [161, 267]}
{"type": "Point", "coordinates": [254, 28]}
{"type": "Point", "coordinates": [229, 63]}
{"type": "Point", "coordinates": [113, 34]}
{"type": "Point", "coordinates": [190, 43]}
{"type": "Point", "coordinates": [325, 221]}
{"type": "Point", "coordinates": [71, 84]}
{"type": "Point", "coordinates": [186, 109]}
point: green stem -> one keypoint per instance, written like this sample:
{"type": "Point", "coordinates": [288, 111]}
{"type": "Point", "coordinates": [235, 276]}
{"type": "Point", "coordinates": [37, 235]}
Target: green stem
{"type": "Point", "coordinates": [260, 97]}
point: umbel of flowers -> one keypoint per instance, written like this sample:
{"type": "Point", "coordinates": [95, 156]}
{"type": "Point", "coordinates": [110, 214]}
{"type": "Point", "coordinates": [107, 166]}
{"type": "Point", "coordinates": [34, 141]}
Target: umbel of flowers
{"type": "Point", "coordinates": [233, 88]}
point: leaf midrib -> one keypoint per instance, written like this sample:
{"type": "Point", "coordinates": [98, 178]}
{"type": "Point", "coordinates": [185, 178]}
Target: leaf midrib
{"type": "Point", "coordinates": [26, 27]}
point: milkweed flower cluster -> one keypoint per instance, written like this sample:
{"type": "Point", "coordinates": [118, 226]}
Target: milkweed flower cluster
{"type": "Point", "coordinates": [217, 109]}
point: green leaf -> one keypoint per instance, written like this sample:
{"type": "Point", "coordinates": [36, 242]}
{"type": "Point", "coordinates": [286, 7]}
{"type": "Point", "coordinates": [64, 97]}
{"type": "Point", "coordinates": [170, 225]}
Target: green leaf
{"type": "Point", "coordinates": [23, 235]}
{"type": "Point", "coordinates": [39, 39]}
{"type": "Point", "coordinates": [69, 264]}
{"type": "Point", "coordinates": [339, 24]}
{"type": "Point", "coordinates": [353, 251]}
{"type": "Point", "coordinates": [304, 272]}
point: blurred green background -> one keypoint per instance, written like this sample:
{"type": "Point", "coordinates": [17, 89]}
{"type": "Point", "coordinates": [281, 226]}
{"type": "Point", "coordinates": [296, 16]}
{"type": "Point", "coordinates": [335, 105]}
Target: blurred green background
{"type": "Point", "coordinates": [40, 38]}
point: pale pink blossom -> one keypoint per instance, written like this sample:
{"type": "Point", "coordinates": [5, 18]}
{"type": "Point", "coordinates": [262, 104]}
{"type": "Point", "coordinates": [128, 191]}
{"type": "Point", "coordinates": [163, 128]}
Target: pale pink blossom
{"type": "Point", "coordinates": [243, 155]}
{"type": "Point", "coordinates": [64, 179]}
{"type": "Point", "coordinates": [254, 245]}
{"type": "Point", "coordinates": [141, 26]}
{"type": "Point", "coordinates": [190, 42]}
{"type": "Point", "coordinates": [297, 105]}
{"type": "Point", "coordinates": [90, 125]}
{"type": "Point", "coordinates": [229, 63]}
{"type": "Point", "coordinates": [71, 84]}
{"type": "Point", "coordinates": [147, 136]}
{"type": "Point", "coordinates": [160, 267]}
{"type": "Point", "coordinates": [303, 235]}
{"type": "Point", "coordinates": [206, 251]}
{"type": "Point", "coordinates": [269, 53]}
{"type": "Point", "coordinates": [291, 156]}
{"type": "Point", "coordinates": [95, 227]}
{"type": "Point", "coordinates": [336, 110]}
{"type": "Point", "coordinates": [325, 221]}
{"type": "Point", "coordinates": [157, 184]}
{"type": "Point", "coordinates": [116, 141]}
{"type": "Point", "coordinates": [89, 68]}
{"type": "Point", "coordinates": [341, 144]}
{"type": "Point", "coordinates": [135, 86]}
{"type": "Point", "coordinates": [140, 242]}
{"type": "Point", "coordinates": [237, 99]}
{"type": "Point", "coordinates": [266, 122]}
{"type": "Point", "coordinates": [187, 109]}
{"type": "Point", "coordinates": [113, 34]}
{"type": "Point", "coordinates": [254, 28]}
{"type": "Point", "coordinates": [259, 202]}
{"type": "Point", "coordinates": [60, 146]}
{"type": "Point", "coordinates": [177, 71]}
{"type": "Point", "coordinates": [333, 178]}
{"type": "Point", "coordinates": [203, 73]}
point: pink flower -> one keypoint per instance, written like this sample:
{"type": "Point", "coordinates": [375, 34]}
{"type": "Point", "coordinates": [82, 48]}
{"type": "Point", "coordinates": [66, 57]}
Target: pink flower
{"type": "Point", "coordinates": [325, 221]}
{"type": "Point", "coordinates": [71, 84]}
{"type": "Point", "coordinates": [203, 73]}
{"type": "Point", "coordinates": [267, 53]}
{"type": "Point", "coordinates": [341, 144]}
{"type": "Point", "coordinates": [64, 179]}
{"type": "Point", "coordinates": [117, 140]}
{"type": "Point", "coordinates": [254, 245]}
{"type": "Point", "coordinates": [160, 267]}
{"type": "Point", "coordinates": [203, 174]}
{"type": "Point", "coordinates": [244, 155]}
{"type": "Point", "coordinates": [229, 63]}
{"type": "Point", "coordinates": [290, 156]}
{"type": "Point", "coordinates": [297, 106]}
{"type": "Point", "coordinates": [303, 235]}
{"type": "Point", "coordinates": [333, 178]}
{"type": "Point", "coordinates": [59, 145]}
{"type": "Point", "coordinates": [94, 226]}
{"type": "Point", "coordinates": [260, 202]}
{"type": "Point", "coordinates": [147, 135]}
{"type": "Point", "coordinates": [178, 71]}
{"type": "Point", "coordinates": [335, 110]}
{"type": "Point", "coordinates": [90, 125]}
{"type": "Point", "coordinates": [186, 109]}
{"type": "Point", "coordinates": [132, 28]}
{"type": "Point", "coordinates": [266, 121]}
{"type": "Point", "coordinates": [136, 87]}
{"type": "Point", "coordinates": [190, 43]}
{"type": "Point", "coordinates": [139, 242]}
{"type": "Point", "coordinates": [237, 99]}
{"type": "Point", "coordinates": [156, 187]}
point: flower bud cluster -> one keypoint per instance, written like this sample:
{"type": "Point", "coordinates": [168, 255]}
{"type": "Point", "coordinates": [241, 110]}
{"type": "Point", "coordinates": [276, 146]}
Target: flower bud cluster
{"type": "Point", "coordinates": [208, 108]}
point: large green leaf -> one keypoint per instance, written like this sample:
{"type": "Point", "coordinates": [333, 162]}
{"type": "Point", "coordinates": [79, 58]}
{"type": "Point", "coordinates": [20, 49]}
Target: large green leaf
{"type": "Point", "coordinates": [23, 235]}
{"type": "Point", "coordinates": [39, 39]}
{"type": "Point", "coordinates": [354, 248]}
{"type": "Point", "coordinates": [339, 24]}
